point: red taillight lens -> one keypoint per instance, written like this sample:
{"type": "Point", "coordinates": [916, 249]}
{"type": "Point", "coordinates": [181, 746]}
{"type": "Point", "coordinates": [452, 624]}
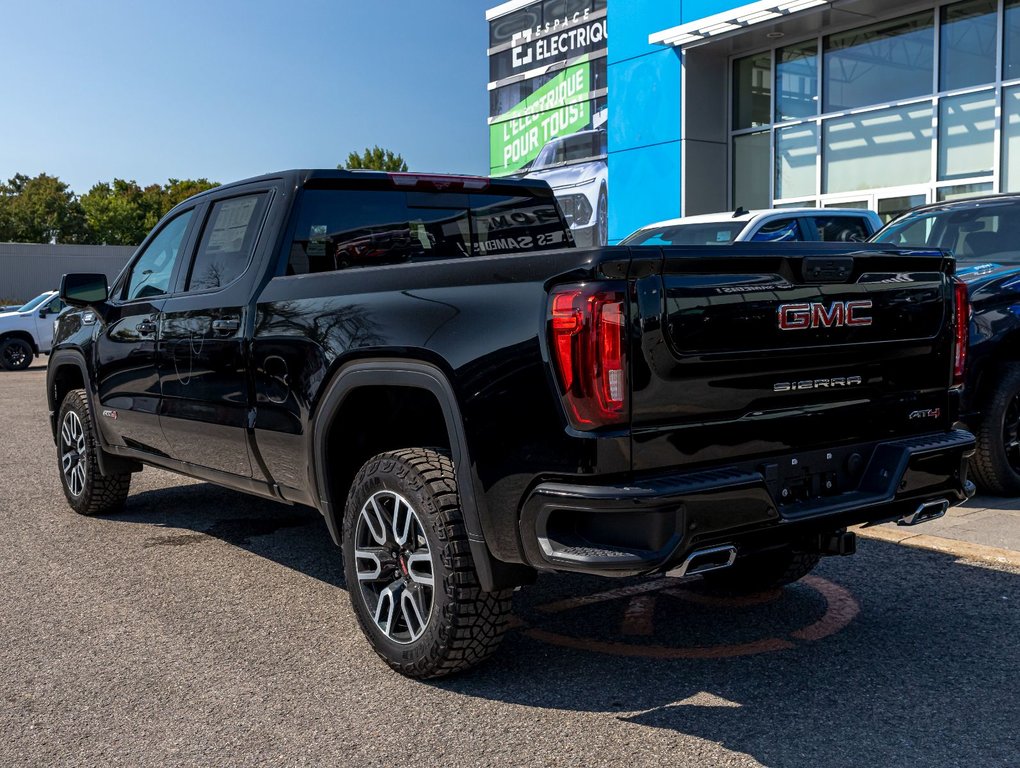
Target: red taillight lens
{"type": "Point", "coordinates": [961, 332]}
{"type": "Point", "coordinates": [587, 327]}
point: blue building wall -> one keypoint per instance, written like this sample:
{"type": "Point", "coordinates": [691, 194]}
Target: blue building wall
{"type": "Point", "coordinates": [645, 109]}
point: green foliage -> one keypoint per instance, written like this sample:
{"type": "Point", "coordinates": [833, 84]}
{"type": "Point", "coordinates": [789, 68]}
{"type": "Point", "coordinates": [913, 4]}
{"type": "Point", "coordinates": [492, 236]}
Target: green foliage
{"type": "Point", "coordinates": [122, 213]}
{"type": "Point", "coordinates": [375, 159]}
{"type": "Point", "coordinates": [40, 209]}
{"type": "Point", "coordinates": [44, 209]}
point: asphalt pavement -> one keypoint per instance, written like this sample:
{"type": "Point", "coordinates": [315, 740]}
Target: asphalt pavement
{"type": "Point", "coordinates": [205, 627]}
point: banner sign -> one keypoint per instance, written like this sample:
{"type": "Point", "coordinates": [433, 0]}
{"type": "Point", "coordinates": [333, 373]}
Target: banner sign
{"type": "Point", "coordinates": [559, 107]}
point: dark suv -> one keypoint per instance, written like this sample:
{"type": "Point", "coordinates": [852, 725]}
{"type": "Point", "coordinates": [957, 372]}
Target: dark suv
{"type": "Point", "coordinates": [984, 234]}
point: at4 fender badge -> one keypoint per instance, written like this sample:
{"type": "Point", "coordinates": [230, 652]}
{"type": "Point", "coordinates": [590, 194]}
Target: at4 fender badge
{"type": "Point", "coordinates": [926, 413]}
{"type": "Point", "coordinates": [110, 414]}
{"type": "Point", "coordinates": [799, 317]}
{"type": "Point", "coordinates": [833, 383]}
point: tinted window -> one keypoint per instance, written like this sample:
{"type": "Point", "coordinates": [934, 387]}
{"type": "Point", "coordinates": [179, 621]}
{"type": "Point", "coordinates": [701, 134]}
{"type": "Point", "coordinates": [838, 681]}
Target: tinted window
{"type": "Point", "coordinates": [778, 231]}
{"type": "Point", "coordinates": [967, 44]}
{"type": "Point", "coordinates": [970, 233]}
{"type": "Point", "coordinates": [343, 228]}
{"type": "Point", "coordinates": [227, 242]}
{"type": "Point", "coordinates": [34, 302]}
{"type": "Point", "coordinates": [150, 275]}
{"type": "Point", "coordinates": [841, 229]}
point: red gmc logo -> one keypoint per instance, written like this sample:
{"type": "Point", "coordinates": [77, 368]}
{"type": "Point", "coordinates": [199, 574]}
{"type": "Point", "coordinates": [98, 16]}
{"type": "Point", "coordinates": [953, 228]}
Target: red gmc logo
{"type": "Point", "coordinates": [798, 317]}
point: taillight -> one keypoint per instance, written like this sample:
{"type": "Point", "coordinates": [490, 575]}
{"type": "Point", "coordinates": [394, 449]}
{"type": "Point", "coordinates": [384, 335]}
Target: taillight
{"type": "Point", "coordinates": [589, 348]}
{"type": "Point", "coordinates": [961, 335]}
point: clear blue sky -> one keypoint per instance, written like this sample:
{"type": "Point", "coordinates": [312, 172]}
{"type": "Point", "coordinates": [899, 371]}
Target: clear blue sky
{"type": "Point", "coordinates": [153, 89]}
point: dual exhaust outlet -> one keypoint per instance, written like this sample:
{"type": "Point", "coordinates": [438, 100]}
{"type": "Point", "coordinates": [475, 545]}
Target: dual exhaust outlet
{"type": "Point", "coordinates": [723, 556]}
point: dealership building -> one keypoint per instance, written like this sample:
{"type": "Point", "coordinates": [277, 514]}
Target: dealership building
{"type": "Point", "coordinates": [654, 109]}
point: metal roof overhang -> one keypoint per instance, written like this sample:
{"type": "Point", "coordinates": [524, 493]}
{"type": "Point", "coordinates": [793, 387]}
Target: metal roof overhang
{"type": "Point", "coordinates": [734, 22]}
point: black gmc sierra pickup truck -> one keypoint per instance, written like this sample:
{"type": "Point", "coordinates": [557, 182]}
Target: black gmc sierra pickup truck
{"type": "Point", "coordinates": [468, 399]}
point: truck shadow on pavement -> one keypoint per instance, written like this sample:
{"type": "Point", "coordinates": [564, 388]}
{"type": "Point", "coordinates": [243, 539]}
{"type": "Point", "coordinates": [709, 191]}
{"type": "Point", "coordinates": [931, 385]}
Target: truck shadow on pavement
{"type": "Point", "coordinates": [894, 657]}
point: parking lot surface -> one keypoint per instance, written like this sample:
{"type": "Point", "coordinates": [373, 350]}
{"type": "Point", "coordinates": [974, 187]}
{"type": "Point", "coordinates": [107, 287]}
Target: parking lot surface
{"type": "Point", "coordinates": [202, 626]}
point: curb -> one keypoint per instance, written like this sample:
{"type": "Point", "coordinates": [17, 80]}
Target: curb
{"type": "Point", "coordinates": [962, 549]}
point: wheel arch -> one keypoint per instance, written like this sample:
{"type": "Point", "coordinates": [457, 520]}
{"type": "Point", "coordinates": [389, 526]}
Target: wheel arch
{"type": "Point", "coordinates": [364, 380]}
{"type": "Point", "coordinates": [24, 336]}
{"type": "Point", "coordinates": [66, 371]}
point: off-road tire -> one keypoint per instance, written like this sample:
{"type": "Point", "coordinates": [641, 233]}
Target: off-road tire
{"type": "Point", "coordinates": [97, 494]}
{"type": "Point", "coordinates": [763, 571]}
{"type": "Point", "coordinates": [465, 624]}
{"type": "Point", "coordinates": [991, 467]}
{"type": "Point", "coordinates": [16, 354]}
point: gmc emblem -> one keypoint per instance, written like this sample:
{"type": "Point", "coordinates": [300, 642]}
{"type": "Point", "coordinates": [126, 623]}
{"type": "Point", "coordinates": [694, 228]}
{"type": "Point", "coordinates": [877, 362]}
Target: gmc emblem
{"type": "Point", "coordinates": [799, 317]}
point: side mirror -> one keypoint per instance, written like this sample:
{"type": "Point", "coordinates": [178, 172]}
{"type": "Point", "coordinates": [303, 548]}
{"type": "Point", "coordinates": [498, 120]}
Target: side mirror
{"type": "Point", "coordinates": [84, 289]}
{"type": "Point", "coordinates": [42, 312]}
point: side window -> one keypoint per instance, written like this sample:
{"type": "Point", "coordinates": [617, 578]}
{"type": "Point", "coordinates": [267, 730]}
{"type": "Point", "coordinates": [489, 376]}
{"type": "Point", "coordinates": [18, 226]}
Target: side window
{"type": "Point", "coordinates": [150, 275]}
{"type": "Point", "coordinates": [54, 306]}
{"type": "Point", "coordinates": [228, 240]}
{"type": "Point", "coordinates": [777, 231]}
{"type": "Point", "coordinates": [841, 229]}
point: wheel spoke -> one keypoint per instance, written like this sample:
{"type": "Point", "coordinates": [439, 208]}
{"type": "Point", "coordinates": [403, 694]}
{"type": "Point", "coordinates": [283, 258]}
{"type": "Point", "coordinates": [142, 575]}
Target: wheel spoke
{"type": "Point", "coordinates": [376, 522]}
{"type": "Point", "coordinates": [386, 607]}
{"type": "Point", "coordinates": [402, 520]}
{"type": "Point", "coordinates": [65, 433]}
{"type": "Point", "coordinates": [67, 461]}
{"type": "Point", "coordinates": [371, 562]}
{"type": "Point", "coordinates": [419, 568]}
{"type": "Point", "coordinates": [413, 611]}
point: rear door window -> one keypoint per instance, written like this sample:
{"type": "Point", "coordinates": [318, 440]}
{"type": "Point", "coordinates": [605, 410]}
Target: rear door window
{"type": "Point", "coordinates": [778, 231]}
{"type": "Point", "coordinates": [840, 229]}
{"type": "Point", "coordinates": [228, 240]}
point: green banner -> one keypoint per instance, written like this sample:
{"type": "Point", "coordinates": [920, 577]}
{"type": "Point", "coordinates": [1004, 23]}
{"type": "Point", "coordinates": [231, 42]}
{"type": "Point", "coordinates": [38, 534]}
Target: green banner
{"type": "Point", "coordinates": [560, 107]}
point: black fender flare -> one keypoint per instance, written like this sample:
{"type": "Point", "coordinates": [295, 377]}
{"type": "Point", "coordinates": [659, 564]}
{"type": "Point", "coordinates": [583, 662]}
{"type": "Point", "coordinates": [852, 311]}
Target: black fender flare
{"type": "Point", "coordinates": [420, 375]}
{"type": "Point", "coordinates": [108, 463]}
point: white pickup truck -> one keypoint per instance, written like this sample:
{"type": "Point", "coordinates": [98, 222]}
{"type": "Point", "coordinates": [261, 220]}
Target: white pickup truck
{"type": "Point", "coordinates": [28, 331]}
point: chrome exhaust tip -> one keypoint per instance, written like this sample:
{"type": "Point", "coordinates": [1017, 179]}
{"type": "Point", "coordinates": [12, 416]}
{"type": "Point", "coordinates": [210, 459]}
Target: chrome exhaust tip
{"type": "Point", "coordinates": [705, 560]}
{"type": "Point", "coordinates": [929, 510]}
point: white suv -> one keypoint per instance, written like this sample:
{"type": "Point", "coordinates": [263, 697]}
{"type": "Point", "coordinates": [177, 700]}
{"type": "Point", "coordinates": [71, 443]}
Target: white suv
{"type": "Point", "coordinates": [771, 226]}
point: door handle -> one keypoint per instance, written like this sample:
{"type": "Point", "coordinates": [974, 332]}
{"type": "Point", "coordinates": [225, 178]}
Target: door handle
{"type": "Point", "coordinates": [226, 326]}
{"type": "Point", "coordinates": [146, 327]}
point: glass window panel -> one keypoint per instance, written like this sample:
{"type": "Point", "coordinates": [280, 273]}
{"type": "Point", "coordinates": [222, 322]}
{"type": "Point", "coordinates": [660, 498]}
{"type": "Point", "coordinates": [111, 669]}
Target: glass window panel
{"type": "Point", "coordinates": [848, 204]}
{"type": "Point", "coordinates": [751, 163]}
{"type": "Point", "coordinates": [1011, 44]}
{"type": "Point", "coordinates": [797, 204]}
{"type": "Point", "coordinates": [966, 135]}
{"type": "Point", "coordinates": [797, 81]}
{"type": "Point", "coordinates": [890, 208]}
{"type": "Point", "coordinates": [227, 242]}
{"type": "Point", "coordinates": [967, 44]}
{"type": "Point", "coordinates": [151, 272]}
{"type": "Point", "coordinates": [752, 91]}
{"type": "Point", "coordinates": [880, 63]}
{"type": "Point", "coordinates": [885, 148]}
{"type": "Point", "coordinates": [841, 229]}
{"type": "Point", "coordinates": [960, 191]}
{"type": "Point", "coordinates": [796, 160]}
{"type": "Point", "coordinates": [1011, 139]}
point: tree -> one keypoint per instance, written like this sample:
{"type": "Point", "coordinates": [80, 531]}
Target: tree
{"type": "Point", "coordinates": [375, 159]}
{"type": "Point", "coordinates": [40, 209]}
{"type": "Point", "coordinates": [122, 213]}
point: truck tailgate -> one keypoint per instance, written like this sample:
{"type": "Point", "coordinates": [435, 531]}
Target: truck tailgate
{"type": "Point", "coordinates": [759, 349]}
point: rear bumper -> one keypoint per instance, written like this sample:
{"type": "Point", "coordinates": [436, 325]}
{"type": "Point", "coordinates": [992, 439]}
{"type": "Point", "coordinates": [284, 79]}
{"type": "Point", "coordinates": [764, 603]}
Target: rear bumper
{"type": "Point", "coordinates": [653, 524]}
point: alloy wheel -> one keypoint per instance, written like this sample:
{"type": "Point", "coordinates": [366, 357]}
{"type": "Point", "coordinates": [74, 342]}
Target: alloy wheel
{"type": "Point", "coordinates": [394, 566]}
{"type": "Point", "coordinates": [73, 453]}
{"type": "Point", "coordinates": [15, 356]}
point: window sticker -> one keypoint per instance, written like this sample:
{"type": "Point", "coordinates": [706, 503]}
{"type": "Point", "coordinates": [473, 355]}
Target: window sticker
{"type": "Point", "coordinates": [722, 236]}
{"type": "Point", "coordinates": [232, 218]}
